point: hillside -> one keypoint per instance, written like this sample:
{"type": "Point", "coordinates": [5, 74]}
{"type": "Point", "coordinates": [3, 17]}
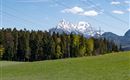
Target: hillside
{"type": "Point", "coordinates": [115, 66]}
{"type": "Point", "coordinates": [124, 41]}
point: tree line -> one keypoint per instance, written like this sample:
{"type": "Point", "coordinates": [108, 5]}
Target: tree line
{"type": "Point", "coordinates": [25, 45]}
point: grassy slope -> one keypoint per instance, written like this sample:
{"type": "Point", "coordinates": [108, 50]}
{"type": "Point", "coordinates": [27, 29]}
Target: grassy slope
{"type": "Point", "coordinates": [106, 67]}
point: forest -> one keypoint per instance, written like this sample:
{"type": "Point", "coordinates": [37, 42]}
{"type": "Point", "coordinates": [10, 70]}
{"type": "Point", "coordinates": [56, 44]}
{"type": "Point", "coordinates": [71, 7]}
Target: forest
{"type": "Point", "coordinates": [25, 45]}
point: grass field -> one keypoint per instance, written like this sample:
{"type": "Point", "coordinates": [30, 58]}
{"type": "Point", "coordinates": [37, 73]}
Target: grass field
{"type": "Point", "coordinates": [115, 66]}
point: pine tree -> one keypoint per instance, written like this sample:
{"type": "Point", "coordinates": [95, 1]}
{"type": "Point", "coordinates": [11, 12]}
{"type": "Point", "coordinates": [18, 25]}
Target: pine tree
{"type": "Point", "coordinates": [15, 35]}
{"type": "Point", "coordinates": [1, 44]}
{"type": "Point", "coordinates": [89, 46]}
{"type": "Point", "coordinates": [63, 45]}
{"type": "Point", "coordinates": [24, 45]}
{"type": "Point", "coordinates": [8, 44]}
{"type": "Point", "coordinates": [82, 47]}
{"type": "Point", "coordinates": [33, 44]}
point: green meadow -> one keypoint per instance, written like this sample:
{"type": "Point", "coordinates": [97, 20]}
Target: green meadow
{"type": "Point", "coordinates": [113, 66]}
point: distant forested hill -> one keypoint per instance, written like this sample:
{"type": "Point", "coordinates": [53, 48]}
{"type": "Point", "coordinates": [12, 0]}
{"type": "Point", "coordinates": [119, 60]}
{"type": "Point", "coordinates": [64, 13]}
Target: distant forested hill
{"type": "Point", "coordinates": [124, 41]}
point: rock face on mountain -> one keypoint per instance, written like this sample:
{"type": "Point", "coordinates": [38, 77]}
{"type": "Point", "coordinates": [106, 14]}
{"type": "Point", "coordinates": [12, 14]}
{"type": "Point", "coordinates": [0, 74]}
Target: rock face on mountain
{"type": "Point", "coordinates": [113, 37]}
{"type": "Point", "coordinates": [124, 41]}
{"type": "Point", "coordinates": [82, 27]}
{"type": "Point", "coordinates": [127, 34]}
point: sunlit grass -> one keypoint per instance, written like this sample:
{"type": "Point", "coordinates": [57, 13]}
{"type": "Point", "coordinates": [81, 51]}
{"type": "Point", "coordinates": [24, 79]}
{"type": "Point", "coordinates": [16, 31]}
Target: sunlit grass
{"type": "Point", "coordinates": [115, 66]}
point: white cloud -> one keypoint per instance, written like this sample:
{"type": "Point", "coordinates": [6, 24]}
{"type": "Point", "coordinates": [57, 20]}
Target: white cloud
{"type": "Point", "coordinates": [128, 9]}
{"type": "Point", "coordinates": [127, 2]}
{"type": "Point", "coordinates": [74, 10]}
{"type": "Point", "coordinates": [115, 2]}
{"type": "Point", "coordinates": [118, 12]}
{"type": "Point", "coordinates": [90, 13]}
{"type": "Point", "coordinates": [80, 11]}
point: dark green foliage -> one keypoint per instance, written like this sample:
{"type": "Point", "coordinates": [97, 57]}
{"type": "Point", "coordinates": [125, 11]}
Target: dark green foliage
{"type": "Point", "coordinates": [8, 45]}
{"type": "Point", "coordinates": [26, 45]}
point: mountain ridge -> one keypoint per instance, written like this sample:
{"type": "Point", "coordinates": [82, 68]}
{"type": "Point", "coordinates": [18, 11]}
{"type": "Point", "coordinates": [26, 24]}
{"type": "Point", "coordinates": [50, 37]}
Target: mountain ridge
{"type": "Point", "coordinates": [124, 40]}
{"type": "Point", "coordinates": [82, 27]}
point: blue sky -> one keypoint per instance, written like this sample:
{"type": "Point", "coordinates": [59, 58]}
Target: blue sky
{"type": "Point", "coordinates": [110, 15]}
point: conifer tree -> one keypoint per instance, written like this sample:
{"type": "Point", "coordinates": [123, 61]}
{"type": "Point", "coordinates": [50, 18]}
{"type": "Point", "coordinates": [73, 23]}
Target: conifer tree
{"type": "Point", "coordinates": [8, 44]}
{"type": "Point", "coordinates": [89, 46]}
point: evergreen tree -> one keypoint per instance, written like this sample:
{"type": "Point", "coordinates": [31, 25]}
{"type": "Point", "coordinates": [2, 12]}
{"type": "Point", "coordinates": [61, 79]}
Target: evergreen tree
{"type": "Point", "coordinates": [33, 44]}
{"type": "Point", "coordinates": [1, 44]}
{"type": "Point", "coordinates": [15, 35]}
{"type": "Point", "coordinates": [82, 47]}
{"type": "Point", "coordinates": [8, 44]}
{"type": "Point", "coordinates": [23, 45]}
{"type": "Point", "coordinates": [58, 53]}
{"type": "Point", "coordinates": [90, 46]}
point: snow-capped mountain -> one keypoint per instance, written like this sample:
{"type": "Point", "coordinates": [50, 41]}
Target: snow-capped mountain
{"type": "Point", "coordinates": [81, 27]}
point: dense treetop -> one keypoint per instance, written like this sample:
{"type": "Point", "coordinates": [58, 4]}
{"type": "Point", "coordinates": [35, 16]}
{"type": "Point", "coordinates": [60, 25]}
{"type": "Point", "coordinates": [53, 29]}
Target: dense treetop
{"type": "Point", "coordinates": [24, 45]}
